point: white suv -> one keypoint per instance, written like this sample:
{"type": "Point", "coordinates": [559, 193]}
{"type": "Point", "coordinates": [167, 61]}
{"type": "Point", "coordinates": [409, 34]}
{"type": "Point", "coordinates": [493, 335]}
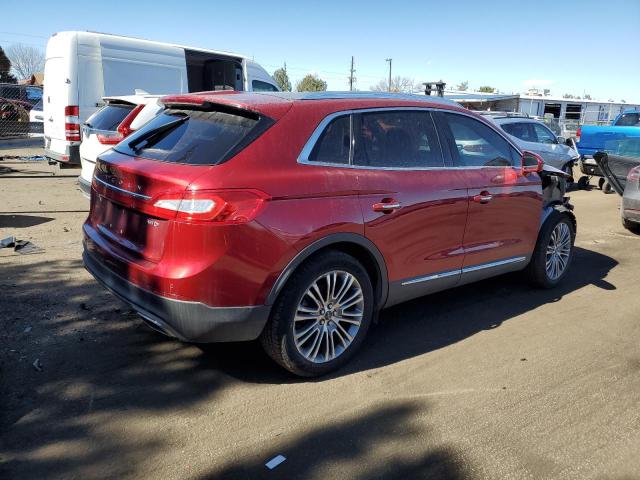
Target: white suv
{"type": "Point", "coordinates": [119, 117]}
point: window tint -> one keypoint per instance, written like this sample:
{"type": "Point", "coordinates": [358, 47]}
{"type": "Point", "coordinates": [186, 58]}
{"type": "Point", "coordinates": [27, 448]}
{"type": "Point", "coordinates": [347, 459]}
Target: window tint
{"type": "Point", "coordinates": [109, 117]}
{"type": "Point", "coordinates": [334, 143]}
{"type": "Point", "coordinates": [520, 130]}
{"type": "Point", "coordinates": [477, 144]}
{"type": "Point", "coordinates": [543, 135]}
{"type": "Point", "coordinates": [259, 86]}
{"type": "Point", "coordinates": [403, 139]}
{"type": "Point", "coordinates": [189, 136]}
{"type": "Point", "coordinates": [629, 120]}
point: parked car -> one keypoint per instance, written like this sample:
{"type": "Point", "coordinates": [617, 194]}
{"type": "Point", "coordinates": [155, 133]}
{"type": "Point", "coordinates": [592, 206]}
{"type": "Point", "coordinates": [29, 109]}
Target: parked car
{"type": "Point", "coordinates": [83, 67]}
{"type": "Point", "coordinates": [536, 137]}
{"type": "Point", "coordinates": [621, 167]}
{"type": "Point", "coordinates": [119, 117]}
{"type": "Point", "coordinates": [591, 139]}
{"type": "Point", "coordinates": [295, 218]}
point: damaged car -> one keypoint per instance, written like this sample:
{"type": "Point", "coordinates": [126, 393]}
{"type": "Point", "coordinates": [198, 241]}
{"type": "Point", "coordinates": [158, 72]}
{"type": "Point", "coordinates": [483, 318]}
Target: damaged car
{"type": "Point", "coordinates": [295, 218]}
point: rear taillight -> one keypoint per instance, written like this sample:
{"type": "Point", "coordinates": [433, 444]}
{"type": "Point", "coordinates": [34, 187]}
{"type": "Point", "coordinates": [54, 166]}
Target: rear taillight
{"type": "Point", "coordinates": [123, 130]}
{"type": "Point", "coordinates": [578, 133]}
{"type": "Point", "coordinates": [72, 123]}
{"type": "Point", "coordinates": [224, 207]}
{"type": "Point", "coordinates": [634, 175]}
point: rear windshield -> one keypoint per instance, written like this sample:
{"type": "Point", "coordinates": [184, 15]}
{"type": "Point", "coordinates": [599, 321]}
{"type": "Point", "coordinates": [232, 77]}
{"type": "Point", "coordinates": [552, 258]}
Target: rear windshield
{"type": "Point", "coordinates": [109, 117]}
{"type": "Point", "coordinates": [629, 120]}
{"type": "Point", "coordinates": [192, 136]}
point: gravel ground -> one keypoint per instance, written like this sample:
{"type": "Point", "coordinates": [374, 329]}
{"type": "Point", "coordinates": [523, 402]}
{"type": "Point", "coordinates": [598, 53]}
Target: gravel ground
{"type": "Point", "coordinates": [491, 380]}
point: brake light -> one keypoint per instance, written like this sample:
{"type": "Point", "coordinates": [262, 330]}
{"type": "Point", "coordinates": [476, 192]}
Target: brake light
{"type": "Point", "coordinates": [634, 175]}
{"type": "Point", "coordinates": [578, 133]}
{"type": "Point", "coordinates": [225, 207]}
{"type": "Point", "coordinates": [72, 123]}
{"type": "Point", "coordinates": [125, 126]}
{"type": "Point", "coordinates": [109, 138]}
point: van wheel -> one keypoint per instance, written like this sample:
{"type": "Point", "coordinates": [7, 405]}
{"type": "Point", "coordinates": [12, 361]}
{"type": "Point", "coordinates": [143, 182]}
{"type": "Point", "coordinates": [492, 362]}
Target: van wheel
{"type": "Point", "coordinates": [601, 183]}
{"type": "Point", "coordinates": [321, 317]}
{"type": "Point", "coordinates": [554, 251]}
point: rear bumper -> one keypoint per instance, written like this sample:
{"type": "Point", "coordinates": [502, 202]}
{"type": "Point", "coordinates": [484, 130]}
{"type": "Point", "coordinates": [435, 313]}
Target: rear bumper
{"type": "Point", "coordinates": [70, 156]}
{"type": "Point", "coordinates": [187, 321]}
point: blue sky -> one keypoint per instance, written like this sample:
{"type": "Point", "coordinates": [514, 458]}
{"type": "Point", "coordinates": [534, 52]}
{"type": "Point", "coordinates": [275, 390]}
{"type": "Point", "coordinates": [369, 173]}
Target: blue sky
{"type": "Point", "coordinates": [569, 47]}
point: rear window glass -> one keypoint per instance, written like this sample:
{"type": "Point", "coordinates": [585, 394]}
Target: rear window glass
{"type": "Point", "coordinates": [334, 143]}
{"type": "Point", "coordinates": [109, 117]}
{"type": "Point", "coordinates": [189, 136]}
{"type": "Point", "coordinates": [629, 120]}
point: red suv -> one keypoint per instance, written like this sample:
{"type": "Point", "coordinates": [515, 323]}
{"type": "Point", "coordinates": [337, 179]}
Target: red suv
{"type": "Point", "coordinates": [295, 218]}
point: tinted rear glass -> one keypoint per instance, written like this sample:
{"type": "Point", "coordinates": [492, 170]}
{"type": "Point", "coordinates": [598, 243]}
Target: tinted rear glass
{"type": "Point", "coordinates": [109, 117]}
{"type": "Point", "coordinates": [629, 120]}
{"type": "Point", "coordinates": [190, 136]}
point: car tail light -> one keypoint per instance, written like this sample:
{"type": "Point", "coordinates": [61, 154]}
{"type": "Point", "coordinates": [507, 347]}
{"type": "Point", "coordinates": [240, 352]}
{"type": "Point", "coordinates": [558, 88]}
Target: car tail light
{"type": "Point", "coordinates": [578, 133]}
{"type": "Point", "coordinates": [224, 207]}
{"type": "Point", "coordinates": [72, 123]}
{"type": "Point", "coordinates": [634, 175]}
{"type": "Point", "coordinates": [123, 130]}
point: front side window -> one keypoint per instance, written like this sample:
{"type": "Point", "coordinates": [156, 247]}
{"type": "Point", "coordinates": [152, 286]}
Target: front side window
{"type": "Point", "coordinates": [396, 139]}
{"type": "Point", "coordinates": [334, 144]}
{"type": "Point", "coordinates": [477, 145]}
{"type": "Point", "coordinates": [260, 86]}
{"type": "Point", "coordinates": [543, 135]}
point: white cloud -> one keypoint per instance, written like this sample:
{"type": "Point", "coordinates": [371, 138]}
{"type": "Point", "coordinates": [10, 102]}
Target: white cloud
{"type": "Point", "coordinates": [537, 82]}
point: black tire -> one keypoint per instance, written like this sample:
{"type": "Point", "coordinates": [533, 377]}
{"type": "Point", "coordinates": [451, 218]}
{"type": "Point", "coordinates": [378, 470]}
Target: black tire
{"type": "Point", "coordinates": [601, 182]}
{"type": "Point", "coordinates": [607, 188]}
{"type": "Point", "coordinates": [633, 227]}
{"type": "Point", "coordinates": [277, 336]}
{"type": "Point", "coordinates": [583, 182]}
{"type": "Point", "coordinates": [537, 269]}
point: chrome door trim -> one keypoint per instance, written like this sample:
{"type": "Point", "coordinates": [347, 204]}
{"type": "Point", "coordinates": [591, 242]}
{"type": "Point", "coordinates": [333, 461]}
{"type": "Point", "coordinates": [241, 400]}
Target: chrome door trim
{"type": "Point", "coordinates": [498, 263]}
{"type": "Point", "coordinates": [474, 268]}
{"type": "Point", "coordinates": [122, 190]}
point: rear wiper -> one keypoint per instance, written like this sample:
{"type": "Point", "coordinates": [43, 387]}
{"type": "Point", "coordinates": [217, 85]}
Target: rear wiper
{"type": "Point", "coordinates": [156, 132]}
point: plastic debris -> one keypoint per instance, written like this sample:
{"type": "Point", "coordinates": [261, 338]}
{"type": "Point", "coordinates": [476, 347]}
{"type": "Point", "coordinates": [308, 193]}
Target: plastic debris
{"type": "Point", "coordinates": [275, 461]}
{"type": "Point", "coordinates": [7, 242]}
{"type": "Point", "coordinates": [21, 246]}
{"type": "Point", "coordinates": [37, 365]}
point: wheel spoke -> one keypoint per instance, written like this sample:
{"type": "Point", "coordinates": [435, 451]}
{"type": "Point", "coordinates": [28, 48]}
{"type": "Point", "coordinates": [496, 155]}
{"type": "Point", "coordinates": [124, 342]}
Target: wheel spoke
{"type": "Point", "coordinates": [344, 288]}
{"type": "Point", "coordinates": [354, 299]}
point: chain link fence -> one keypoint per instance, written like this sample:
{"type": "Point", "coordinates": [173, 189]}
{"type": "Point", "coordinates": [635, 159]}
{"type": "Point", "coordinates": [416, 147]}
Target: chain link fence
{"type": "Point", "coordinates": [20, 111]}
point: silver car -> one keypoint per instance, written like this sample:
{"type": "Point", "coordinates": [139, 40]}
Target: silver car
{"type": "Point", "coordinates": [535, 136]}
{"type": "Point", "coordinates": [621, 167]}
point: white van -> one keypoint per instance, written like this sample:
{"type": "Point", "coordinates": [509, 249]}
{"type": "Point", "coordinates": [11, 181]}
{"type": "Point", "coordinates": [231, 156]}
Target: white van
{"type": "Point", "coordinates": [83, 67]}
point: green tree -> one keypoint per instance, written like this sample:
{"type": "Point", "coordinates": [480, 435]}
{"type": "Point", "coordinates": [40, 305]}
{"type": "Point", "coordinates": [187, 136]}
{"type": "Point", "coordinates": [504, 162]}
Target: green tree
{"type": "Point", "coordinates": [486, 89]}
{"type": "Point", "coordinates": [546, 92]}
{"type": "Point", "coordinates": [567, 95]}
{"type": "Point", "coordinates": [311, 83]}
{"type": "Point", "coordinates": [463, 87]}
{"type": "Point", "coordinates": [282, 79]}
{"type": "Point", "coordinates": [5, 69]}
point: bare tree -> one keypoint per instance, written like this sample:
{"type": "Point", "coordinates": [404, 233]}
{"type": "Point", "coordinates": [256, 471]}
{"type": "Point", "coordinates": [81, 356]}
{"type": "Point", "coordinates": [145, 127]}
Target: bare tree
{"type": "Point", "coordinates": [25, 60]}
{"type": "Point", "coordinates": [398, 85]}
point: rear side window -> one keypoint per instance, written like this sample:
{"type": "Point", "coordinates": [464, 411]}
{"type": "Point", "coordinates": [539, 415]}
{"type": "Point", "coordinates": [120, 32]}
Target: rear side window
{"type": "Point", "coordinates": [193, 137]}
{"type": "Point", "coordinates": [401, 139]}
{"type": "Point", "coordinates": [334, 143]}
{"type": "Point", "coordinates": [109, 117]}
{"type": "Point", "coordinates": [520, 130]}
{"type": "Point", "coordinates": [477, 145]}
{"type": "Point", "coordinates": [543, 135]}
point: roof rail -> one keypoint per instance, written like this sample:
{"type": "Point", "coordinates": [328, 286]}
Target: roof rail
{"type": "Point", "coordinates": [504, 114]}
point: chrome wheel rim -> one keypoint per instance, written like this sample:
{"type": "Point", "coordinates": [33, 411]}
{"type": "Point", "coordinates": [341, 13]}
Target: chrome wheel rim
{"type": "Point", "coordinates": [558, 251]}
{"type": "Point", "coordinates": [328, 316]}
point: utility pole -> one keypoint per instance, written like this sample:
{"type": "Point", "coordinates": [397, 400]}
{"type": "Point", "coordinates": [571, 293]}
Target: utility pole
{"type": "Point", "coordinates": [389, 60]}
{"type": "Point", "coordinates": [351, 77]}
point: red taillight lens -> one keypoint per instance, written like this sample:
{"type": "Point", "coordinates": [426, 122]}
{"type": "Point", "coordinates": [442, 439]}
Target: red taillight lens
{"type": "Point", "coordinates": [110, 138]}
{"type": "Point", "coordinates": [578, 133]}
{"type": "Point", "coordinates": [125, 126]}
{"type": "Point", "coordinates": [72, 123]}
{"type": "Point", "coordinates": [634, 175]}
{"type": "Point", "coordinates": [225, 207]}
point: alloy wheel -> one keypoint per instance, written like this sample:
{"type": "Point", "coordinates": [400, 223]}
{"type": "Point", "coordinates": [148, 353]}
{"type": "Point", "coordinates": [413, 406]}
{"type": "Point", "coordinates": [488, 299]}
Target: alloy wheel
{"type": "Point", "coordinates": [558, 251]}
{"type": "Point", "coordinates": [328, 316]}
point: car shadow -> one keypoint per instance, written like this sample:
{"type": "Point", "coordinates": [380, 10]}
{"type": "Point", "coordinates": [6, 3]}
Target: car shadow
{"type": "Point", "coordinates": [431, 322]}
{"type": "Point", "coordinates": [22, 221]}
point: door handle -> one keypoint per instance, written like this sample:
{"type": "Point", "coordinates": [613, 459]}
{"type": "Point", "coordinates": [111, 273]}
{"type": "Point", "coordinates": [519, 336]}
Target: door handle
{"type": "Point", "coordinates": [483, 197]}
{"type": "Point", "coordinates": [386, 206]}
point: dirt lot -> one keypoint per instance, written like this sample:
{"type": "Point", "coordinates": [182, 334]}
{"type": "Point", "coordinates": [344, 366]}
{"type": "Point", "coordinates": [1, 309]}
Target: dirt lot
{"type": "Point", "coordinates": [492, 380]}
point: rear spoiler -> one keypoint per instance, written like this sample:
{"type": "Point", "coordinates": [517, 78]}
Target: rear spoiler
{"type": "Point", "coordinates": [191, 103]}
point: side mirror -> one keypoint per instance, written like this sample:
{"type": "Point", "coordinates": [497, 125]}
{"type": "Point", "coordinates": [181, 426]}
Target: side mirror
{"type": "Point", "coordinates": [531, 163]}
{"type": "Point", "coordinates": [561, 140]}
